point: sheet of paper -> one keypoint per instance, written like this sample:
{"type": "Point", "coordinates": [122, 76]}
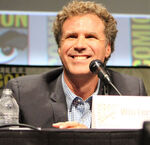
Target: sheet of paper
{"type": "Point", "coordinates": [120, 112]}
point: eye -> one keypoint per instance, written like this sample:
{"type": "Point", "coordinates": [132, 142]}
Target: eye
{"type": "Point", "coordinates": [91, 36]}
{"type": "Point", "coordinates": [72, 36]}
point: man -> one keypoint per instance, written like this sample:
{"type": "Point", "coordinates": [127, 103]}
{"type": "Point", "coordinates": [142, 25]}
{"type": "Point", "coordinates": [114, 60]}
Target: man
{"type": "Point", "coordinates": [62, 98]}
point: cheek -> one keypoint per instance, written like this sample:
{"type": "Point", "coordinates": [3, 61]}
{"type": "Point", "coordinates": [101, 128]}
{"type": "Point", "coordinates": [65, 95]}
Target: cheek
{"type": "Point", "coordinates": [69, 43]}
{"type": "Point", "coordinates": [62, 53]}
{"type": "Point", "coordinates": [66, 45]}
{"type": "Point", "coordinates": [98, 48]}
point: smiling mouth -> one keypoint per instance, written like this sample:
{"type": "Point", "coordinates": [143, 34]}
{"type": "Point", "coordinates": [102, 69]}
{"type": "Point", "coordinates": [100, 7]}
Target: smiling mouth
{"type": "Point", "coordinates": [78, 57]}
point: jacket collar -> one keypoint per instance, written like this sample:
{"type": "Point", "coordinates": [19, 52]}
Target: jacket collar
{"type": "Point", "coordinates": [59, 102]}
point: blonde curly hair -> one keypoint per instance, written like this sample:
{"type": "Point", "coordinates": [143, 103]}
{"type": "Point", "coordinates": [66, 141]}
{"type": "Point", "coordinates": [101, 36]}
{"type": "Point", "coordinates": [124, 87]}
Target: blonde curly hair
{"type": "Point", "coordinates": [81, 7]}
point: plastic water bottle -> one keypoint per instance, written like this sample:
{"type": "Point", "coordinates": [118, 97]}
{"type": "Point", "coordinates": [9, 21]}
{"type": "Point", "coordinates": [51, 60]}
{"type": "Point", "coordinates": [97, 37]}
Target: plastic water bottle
{"type": "Point", "coordinates": [9, 109]}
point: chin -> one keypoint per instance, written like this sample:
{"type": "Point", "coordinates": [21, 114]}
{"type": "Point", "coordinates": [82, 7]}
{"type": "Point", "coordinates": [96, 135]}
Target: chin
{"type": "Point", "coordinates": [80, 72]}
{"type": "Point", "coordinates": [77, 69]}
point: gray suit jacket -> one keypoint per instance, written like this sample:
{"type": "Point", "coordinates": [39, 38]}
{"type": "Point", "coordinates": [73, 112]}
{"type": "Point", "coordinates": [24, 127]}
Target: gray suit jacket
{"type": "Point", "coordinates": [42, 101]}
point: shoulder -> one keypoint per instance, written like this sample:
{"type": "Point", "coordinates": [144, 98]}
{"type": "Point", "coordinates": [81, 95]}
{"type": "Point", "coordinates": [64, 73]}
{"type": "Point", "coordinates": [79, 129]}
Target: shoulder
{"type": "Point", "coordinates": [128, 85]}
{"type": "Point", "coordinates": [34, 85]}
{"type": "Point", "coordinates": [116, 76]}
{"type": "Point", "coordinates": [36, 79]}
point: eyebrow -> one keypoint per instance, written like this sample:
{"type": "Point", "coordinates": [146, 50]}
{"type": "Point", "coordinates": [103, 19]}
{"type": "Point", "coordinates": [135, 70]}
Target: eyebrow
{"type": "Point", "coordinates": [69, 33]}
{"type": "Point", "coordinates": [75, 33]}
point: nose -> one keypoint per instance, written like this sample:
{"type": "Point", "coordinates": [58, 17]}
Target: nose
{"type": "Point", "coordinates": [80, 44]}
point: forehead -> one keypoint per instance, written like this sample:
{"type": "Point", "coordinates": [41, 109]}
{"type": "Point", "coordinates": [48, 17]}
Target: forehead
{"type": "Point", "coordinates": [87, 22]}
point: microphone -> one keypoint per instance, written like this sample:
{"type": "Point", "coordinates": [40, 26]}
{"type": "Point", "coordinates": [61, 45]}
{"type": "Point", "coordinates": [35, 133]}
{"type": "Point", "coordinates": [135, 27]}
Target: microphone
{"type": "Point", "coordinates": [97, 67]}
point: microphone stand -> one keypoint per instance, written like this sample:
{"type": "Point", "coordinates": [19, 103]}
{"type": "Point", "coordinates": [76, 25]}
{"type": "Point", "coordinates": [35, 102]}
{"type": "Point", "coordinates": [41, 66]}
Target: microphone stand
{"type": "Point", "coordinates": [115, 88]}
{"type": "Point", "coordinates": [96, 66]}
{"type": "Point", "coordinates": [107, 80]}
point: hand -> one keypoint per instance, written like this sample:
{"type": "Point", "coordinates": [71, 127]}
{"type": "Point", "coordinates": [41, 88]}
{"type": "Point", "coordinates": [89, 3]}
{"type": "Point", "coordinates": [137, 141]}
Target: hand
{"type": "Point", "coordinates": [69, 125]}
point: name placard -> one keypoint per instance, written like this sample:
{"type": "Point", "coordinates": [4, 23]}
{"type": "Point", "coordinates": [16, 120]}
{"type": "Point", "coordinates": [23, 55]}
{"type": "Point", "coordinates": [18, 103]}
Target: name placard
{"type": "Point", "coordinates": [120, 112]}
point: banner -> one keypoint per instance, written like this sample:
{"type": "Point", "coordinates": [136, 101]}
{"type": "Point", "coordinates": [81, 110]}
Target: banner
{"type": "Point", "coordinates": [13, 39]}
{"type": "Point", "coordinates": [140, 32]}
{"type": "Point", "coordinates": [9, 73]}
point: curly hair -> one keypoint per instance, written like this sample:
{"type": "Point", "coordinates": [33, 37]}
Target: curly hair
{"type": "Point", "coordinates": [81, 7]}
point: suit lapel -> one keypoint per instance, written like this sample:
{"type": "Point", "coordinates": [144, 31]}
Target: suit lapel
{"type": "Point", "coordinates": [58, 102]}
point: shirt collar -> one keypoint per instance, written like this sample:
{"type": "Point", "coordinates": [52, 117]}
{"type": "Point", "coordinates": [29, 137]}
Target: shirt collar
{"type": "Point", "coordinates": [70, 96]}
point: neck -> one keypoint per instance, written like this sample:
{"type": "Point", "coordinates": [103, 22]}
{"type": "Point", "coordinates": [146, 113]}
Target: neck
{"type": "Point", "coordinates": [83, 86]}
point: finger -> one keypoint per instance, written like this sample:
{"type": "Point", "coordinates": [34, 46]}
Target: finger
{"type": "Point", "coordinates": [57, 125]}
{"type": "Point", "coordinates": [69, 125]}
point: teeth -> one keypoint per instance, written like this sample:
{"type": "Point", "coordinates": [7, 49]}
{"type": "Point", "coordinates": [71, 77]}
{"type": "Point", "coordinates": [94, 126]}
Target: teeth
{"type": "Point", "coordinates": [80, 57]}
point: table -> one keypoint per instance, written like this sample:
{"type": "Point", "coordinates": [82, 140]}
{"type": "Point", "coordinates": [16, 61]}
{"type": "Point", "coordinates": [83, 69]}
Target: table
{"type": "Point", "coordinates": [70, 137]}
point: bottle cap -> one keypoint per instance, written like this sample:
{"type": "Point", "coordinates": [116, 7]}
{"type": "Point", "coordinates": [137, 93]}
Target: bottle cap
{"type": "Point", "coordinates": [7, 91]}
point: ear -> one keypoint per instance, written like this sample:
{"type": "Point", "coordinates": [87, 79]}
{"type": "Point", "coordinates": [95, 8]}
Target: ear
{"type": "Point", "coordinates": [58, 50]}
{"type": "Point", "coordinates": [108, 51]}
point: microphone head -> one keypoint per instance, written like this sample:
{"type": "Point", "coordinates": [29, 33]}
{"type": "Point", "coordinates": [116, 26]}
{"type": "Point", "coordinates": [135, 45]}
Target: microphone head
{"type": "Point", "coordinates": [94, 65]}
{"type": "Point", "coordinates": [97, 67]}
